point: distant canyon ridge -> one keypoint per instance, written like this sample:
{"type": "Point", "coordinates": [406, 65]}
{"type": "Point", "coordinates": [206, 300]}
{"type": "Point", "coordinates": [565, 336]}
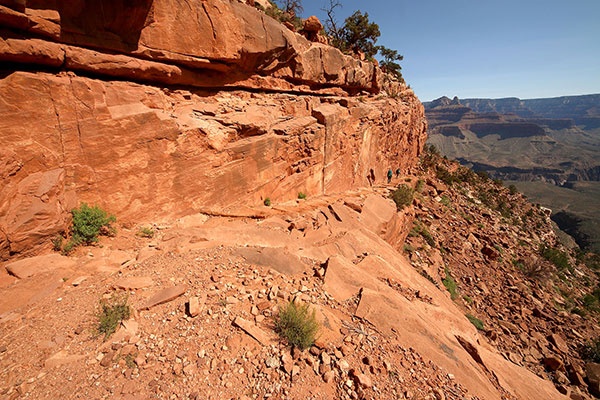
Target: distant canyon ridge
{"type": "Point", "coordinates": [548, 148]}
{"type": "Point", "coordinates": [553, 140]}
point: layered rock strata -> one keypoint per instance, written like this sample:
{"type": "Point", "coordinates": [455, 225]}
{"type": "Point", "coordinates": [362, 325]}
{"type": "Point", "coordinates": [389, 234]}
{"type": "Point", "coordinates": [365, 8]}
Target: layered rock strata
{"type": "Point", "coordinates": [172, 111]}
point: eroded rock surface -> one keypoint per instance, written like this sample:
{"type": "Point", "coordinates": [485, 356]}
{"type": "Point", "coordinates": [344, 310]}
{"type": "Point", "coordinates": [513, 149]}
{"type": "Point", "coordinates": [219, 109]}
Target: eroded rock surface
{"type": "Point", "coordinates": [104, 123]}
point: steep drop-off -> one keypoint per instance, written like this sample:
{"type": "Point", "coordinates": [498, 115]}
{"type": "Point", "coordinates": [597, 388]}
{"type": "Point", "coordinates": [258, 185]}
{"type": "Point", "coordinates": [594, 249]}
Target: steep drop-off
{"type": "Point", "coordinates": [174, 110]}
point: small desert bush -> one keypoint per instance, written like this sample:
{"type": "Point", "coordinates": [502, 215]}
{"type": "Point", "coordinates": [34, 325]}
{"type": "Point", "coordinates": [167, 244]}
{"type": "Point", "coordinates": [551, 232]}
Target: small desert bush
{"type": "Point", "coordinates": [296, 324]}
{"type": "Point", "coordinates": [483, 175]}
{"type": "Point", "coordinates": [402, 196]}
{"type": "Point", "coordinates": [419, 186]}
{"type": "Point", "coordinates": [557, 257]}
{"type": "Point", "coordinates": [445, 176]}
{"type": "Point", "coordinates": [301, 196]}
{"type": "Point", "coordinates": [445, 201]}
{"type": "Point", "coordinates": [591, 350]}
{"type": "Point", "coordinates": [146, 232]}
{"type": "Point", "coordinates": [512, 189]}
{"type": "Point", "coordinates": [450, 284]}
{"type": "Point", "coordinates": [475, 321]}
{"type": "Point", "coordinates": [57, 243]}
{"type": "Point", "coordinates": [88, 224]}
{"type": "Point", "coordinates": [421, 230]}
{"type": "Point", "coordinates": [110, 315]}
{"type": "Point", "coordinates": [267, 202]}
{"type": "Point", "coordinates": [536, 270]}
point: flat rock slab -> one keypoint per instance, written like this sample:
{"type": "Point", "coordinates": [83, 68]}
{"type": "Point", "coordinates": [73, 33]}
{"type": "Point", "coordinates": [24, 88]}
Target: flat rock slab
{"type": "Point", "coordinates": [134, 282]}
{"type": "Point", "coordinates": [257, 333]}
{"type": "Point", "coordinates": [35, 265]}
{"type": "Point", "coordinates": [79, 280]}
{"type": "Point", "coordinates": [277, 258]}
{"type": "Point", "coordinates": [62, 357]}
{"type": "Point", "coordinates": [164, 296]}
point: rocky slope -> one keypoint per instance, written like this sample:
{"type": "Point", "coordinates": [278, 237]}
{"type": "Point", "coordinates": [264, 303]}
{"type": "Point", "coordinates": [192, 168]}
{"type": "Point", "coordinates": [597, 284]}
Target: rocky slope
{"type": "Point", "coordinates": [179, 108]}
{"type": "Point", "coordinates": [553, 141]}
{"type": "Point", "coordinates": [205, 289]}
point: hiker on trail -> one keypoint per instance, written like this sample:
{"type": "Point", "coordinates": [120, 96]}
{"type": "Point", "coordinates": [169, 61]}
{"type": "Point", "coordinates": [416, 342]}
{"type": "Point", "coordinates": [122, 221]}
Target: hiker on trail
{"type": "Point", "coordinates": [398, 173]}
{"type": "Point", "coordinates": [389, 175]}
{"type": "Point", "coordinates": [371, 177]}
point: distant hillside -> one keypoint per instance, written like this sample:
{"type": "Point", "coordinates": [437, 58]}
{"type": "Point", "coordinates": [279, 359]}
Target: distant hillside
{"type": "Point", "coordinates": [583, 110]}
{"type": "Point", "coordinates": [554, 142]}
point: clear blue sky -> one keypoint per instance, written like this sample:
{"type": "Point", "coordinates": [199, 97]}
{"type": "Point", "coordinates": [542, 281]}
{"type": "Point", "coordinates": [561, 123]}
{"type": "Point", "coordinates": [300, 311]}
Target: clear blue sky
{"type": "Point", "coordinates": [485, 48]}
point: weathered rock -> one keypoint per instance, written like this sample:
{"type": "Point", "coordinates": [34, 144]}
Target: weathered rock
{"type": "Point", "coordinates": [93, 113]}
{"type": "Point", "coordinates": [196, 304]}
{"type": "Point", "coordinates": [553, 363]}
{"type": "Point", "coordinates": [164, 296]}
{"type": "Point", "coordinates": [312, 24]}
{"type": "Point", "coordinates": [28, 267]}
{"type": "Point", "coordinates": [33, 207]}
{"type": "Point", "coordinates": [593, 374]}
{"type": "Point", "coordinates": [257, 333]}
{"type": "Point", "coordinates": [62, 357]}
{"type": "Point", "coordinates": [559, 342]}
{"type": "Point", "coordinates": [363, 380]}
{"type": "Point", "coordinates": [137, 282]}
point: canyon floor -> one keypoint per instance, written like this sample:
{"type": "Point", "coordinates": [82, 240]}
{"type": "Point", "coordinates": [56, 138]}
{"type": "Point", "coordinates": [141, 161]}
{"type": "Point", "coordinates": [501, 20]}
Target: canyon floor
{"type": "Point", "coordinates": [205, 289]}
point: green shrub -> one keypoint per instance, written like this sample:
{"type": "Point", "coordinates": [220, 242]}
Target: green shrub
{"type": "Point", "coordinates": [468, 299]}
{"type": "Point", "coordinates": [267, 202]}
{"type": "Point", "coordinates": [445, 201]}
{"type": "Point", "coordinates": [579, 312]}
{"type": "Point", "coordinates": [557, 257]}
{"type": "Point", "coordinates": [408, 248]}
{"type": "Point", "coordinates": [57, 243]}
{"type": "Point", "coordinates": [445, 176]}
{"type": "Point", "coordinates": [421, 229]}
{"type": "Point", "coordinates": [68, 247]}
{"type": "Point", "coordinates": [476, 322]}
{"type": "Point", "coordinates": [146, 232]}
{"type": "Point", "coordinates": [512, 189]}
{"type": "Point", "coordinates": [419, 186]}
{"type": "Point", "coordinates": [297, 324]}
{"type": "Point", "coordinates": [282, 16]}
{"type": "Point", "coordinates": [590, 302]}
{"type": "Point", "coordinates": [483, 175]}
{"type": "Point", "coordinates": [301, 196]}
{"type": "Point", "coordinates": [89, 222]}
{"type": "Point", "coordinates": [450, 284]}
{"type": "Point", "coordinates": [431, 149]}
{"type": "Point", "coordinates": [591, 350]}
{"type": "Point", "coordinates": [111, 313]}
{"type": "Point", "coordinates": [403, 196]}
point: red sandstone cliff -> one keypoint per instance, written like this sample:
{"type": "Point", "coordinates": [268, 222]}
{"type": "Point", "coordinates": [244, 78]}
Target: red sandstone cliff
{"type": "Point", "coordinates": [155, 108]}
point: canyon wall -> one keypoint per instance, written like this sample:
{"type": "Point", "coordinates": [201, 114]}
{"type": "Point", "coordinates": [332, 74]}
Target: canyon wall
{"type": "Point", "coordinates": [162, 108]}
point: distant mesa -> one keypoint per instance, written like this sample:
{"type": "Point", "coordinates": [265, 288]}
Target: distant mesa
{"type": "Point", "coordinates": [553, 139]}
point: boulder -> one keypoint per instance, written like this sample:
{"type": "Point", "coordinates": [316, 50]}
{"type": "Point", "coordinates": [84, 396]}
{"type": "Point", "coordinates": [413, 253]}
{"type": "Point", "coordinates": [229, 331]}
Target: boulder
{"type": "Point", "coordinates": [593, 374]}
{"type": "Point", "coordinates": [312, 24]}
